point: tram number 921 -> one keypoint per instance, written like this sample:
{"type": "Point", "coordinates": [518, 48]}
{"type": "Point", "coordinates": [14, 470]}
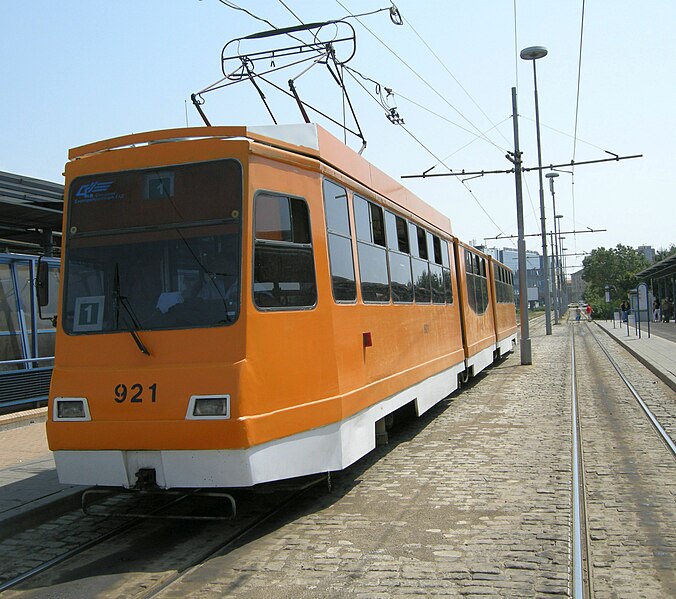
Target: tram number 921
{"type": "Point", "coordinates": [135, 393]}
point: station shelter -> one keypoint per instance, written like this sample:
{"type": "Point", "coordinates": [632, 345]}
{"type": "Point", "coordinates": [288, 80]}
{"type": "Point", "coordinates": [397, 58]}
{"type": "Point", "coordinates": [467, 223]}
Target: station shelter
{"type": "Point", "coordinates": [661, 279]}
{"type": "Point", "coordinates": [30, 227]}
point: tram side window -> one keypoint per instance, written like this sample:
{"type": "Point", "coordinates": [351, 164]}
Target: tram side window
{"type": "Point", "coordinates": [482, 285]}
{"type": "Point", "coordinates": [436, 272]}
{"type": "Point", "coordinates": [469, 279]}
{"type": "Point", "coordinates": [284, 274]}
{"type": "Point", "coordinates": [503, 285]}
{"type": "Point", "coordinates": [340, 243]}
{"type": "Point", "coordinates": [399, 259]}
{"type": "Point", "coordinates": [477, 283]}
{"type": "Point", "coordinates": [421, 268]}
{"type": "Point", "coordinates": [446, 272]}
{"type": "Point", "coordinates": [372, 255]}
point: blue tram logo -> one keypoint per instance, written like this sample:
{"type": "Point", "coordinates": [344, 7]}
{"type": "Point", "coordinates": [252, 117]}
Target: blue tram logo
{"type": "Point", "coordinates": [94, 189]}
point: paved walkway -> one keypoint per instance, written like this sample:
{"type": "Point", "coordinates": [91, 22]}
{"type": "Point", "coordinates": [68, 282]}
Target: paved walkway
{"type": "Point", "coordinates": [29, 488]}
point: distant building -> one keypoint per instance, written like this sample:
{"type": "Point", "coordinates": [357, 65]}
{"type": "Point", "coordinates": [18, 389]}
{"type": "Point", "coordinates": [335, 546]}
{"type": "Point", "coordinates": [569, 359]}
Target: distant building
{"type": "Point", "coordinates": [577, 286]}
{"type": "Point", "coordinates": [647, 251]}
{"type": "Point", "coordinates": [510, 258]}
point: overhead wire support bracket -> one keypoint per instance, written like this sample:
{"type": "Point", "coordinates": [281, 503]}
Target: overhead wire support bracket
{"type": "Point", "coordinates": [590, 230]}
{"type": "Point", "coordinates": [260, 91]}
{"type": "Point", "coordinates": [470, 178]}
{"type": "Point", "coordinates": [341, 83]}
{"type": "Point", "coordinates": [292, 87]}
{"type": "Point", "coordinates": [198, 101]}
{"type": "Point", "coordinates": [426, 174]}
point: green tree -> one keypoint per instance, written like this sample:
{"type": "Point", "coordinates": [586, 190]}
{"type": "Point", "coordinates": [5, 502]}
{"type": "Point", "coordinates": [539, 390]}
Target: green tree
{"type": "Point", "coordinates": [663, 253]}
{"type": "Point", "coordinates": [616, 267]}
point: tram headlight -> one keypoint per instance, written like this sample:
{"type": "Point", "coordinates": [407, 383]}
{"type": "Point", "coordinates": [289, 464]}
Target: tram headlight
{"type": "Point", "coordinates": [71, 409]}
{"type": "Point", "coordinates": [207, 407]}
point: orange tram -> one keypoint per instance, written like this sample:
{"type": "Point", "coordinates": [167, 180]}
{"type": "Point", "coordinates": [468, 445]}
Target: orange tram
{"type": "Point", "coordinates": [242, 305]}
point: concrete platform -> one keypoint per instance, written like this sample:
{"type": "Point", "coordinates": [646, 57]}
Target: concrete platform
{"type": "Point", "coordinates": [30, 492]}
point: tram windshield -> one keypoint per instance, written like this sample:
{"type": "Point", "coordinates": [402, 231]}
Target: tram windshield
{"type": "Point", "coordinates": [154, 249]}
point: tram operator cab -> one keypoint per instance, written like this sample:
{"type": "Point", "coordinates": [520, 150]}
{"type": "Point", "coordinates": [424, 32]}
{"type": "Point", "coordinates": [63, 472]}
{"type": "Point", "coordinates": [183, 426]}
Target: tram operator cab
{"type": "Point", "coordinates": [241, 306]}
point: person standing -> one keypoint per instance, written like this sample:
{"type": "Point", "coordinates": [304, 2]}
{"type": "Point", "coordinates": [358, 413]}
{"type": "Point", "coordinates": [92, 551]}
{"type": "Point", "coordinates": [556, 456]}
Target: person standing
{"type": "Point", "coordinates": [624, 310]}
{"type": "Point", "coordinates": [588, 310]}
{"type": "Point", "coordinates": [656, 310]}
{"type": "Point", "coordinates": [666, 309]}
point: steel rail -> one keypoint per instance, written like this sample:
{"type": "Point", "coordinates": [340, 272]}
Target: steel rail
{"type": "Point", "coordinates": [81, 548]}
{"type": "Point", "coordinates": [237, 536]}
{"type": "Point", "coordinates": [67, 555]}
{"type": "Point", "coordinates": [651, 417]}
{"type": "Point", "coordinates": [577, 473]}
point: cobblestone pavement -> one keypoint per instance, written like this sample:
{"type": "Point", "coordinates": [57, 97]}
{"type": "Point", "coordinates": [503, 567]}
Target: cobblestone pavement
{"type": "Point", "coordinates": [630, 480]}
{"type": "Point", "coordinates": [473, 499]}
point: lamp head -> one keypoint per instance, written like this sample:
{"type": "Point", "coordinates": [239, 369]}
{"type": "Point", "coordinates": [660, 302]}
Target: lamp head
{"type": "Point", "coordinates": [533, 52]}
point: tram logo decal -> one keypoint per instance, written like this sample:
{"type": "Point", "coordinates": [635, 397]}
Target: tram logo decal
{"type": "Point", "coordinates": [96, 191]}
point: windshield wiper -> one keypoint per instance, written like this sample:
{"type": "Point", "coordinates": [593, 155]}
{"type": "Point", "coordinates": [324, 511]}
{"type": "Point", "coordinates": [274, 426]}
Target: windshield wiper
{"type": "Point", "coordinates": [130, 319]}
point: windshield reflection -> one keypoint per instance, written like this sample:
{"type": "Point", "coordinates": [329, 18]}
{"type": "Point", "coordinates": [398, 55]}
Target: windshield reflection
{"type": "Point", "coordinates": [137, 281]}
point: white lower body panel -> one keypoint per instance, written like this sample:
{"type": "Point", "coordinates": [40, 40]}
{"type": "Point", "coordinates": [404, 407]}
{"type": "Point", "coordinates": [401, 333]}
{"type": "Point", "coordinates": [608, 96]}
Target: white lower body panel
{"type": "Point", "coordinates": [328, 448]}
{"type": "Point", "coordinates": [481, 360]}
{"type": "Point", "coordinates": [506, 345]}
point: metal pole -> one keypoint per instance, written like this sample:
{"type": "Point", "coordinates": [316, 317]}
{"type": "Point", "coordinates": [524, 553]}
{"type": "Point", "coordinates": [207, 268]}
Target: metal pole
{"type": "Point", "coordinates": [562, 273]}
{"type": "Point", "coordinates": [558, 289]}
{"type": "Point", "coordinates": [525, 343]}
{"type": "Point", "coordinates": [553, 271]}
{"type": "Point", "coordinates": [556, 282]}
{"type": "Point", "coordinates": [545, 258]}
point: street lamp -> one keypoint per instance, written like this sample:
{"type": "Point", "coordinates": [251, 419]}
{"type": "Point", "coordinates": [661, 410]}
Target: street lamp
{"type": "Point", "coordinates": [533, 53]}
{"type": "Point", "coordinates": [555, 258]}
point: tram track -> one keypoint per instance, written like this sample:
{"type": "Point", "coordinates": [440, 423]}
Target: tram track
{"type": "Point", "coordinates": [621, 477]}
{"type": "Point", "coordinates": [176, 557]}
{"type": "Point", "coordinates": [659, 429]}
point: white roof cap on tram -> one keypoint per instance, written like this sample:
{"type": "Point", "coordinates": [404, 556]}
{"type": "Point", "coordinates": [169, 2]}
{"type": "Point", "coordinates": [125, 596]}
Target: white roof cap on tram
{"type": "Point", "coordinates": [298, 134]}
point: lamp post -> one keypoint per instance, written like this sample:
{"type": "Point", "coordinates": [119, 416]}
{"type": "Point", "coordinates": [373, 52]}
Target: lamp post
{"type": "Point", "coordinates": [533, 53]}
{"type": "Point", "coordinates": [555, 258]}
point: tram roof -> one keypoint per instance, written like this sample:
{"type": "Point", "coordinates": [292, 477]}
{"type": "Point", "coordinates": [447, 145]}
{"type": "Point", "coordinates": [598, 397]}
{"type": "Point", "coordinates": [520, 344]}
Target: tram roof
{"type": "Point", "coordinates": [308, 139]}
{"type": "Point", "coordinates": [28, 208]}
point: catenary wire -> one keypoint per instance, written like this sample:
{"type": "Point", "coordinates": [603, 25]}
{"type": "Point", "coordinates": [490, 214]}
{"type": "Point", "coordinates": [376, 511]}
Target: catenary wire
{"type": "Point", "coordinates": [428, 150]}
{"type": "Point", "coordinates": [425, 82]}
{"type": "Point", "coordinates": [460, 85]}
{"type": "Point", "coordinates": [577, 110]}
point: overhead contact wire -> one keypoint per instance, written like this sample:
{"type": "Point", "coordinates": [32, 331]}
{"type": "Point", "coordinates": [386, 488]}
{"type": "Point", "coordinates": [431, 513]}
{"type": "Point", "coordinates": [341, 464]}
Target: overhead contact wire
{"type": "Point", "coordinates": [460, 85]}
{"type": "Point", "coordinates": [430, 152]}
{"type": "Point", "coordinates": [425, 82]}
{"type": "Point", "coordinates": [577, 110]}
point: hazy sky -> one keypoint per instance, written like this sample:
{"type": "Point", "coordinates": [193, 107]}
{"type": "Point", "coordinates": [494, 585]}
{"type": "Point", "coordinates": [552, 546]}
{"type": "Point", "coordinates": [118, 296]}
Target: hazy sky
{"type": "Point", "coordinates": [76, 71]}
